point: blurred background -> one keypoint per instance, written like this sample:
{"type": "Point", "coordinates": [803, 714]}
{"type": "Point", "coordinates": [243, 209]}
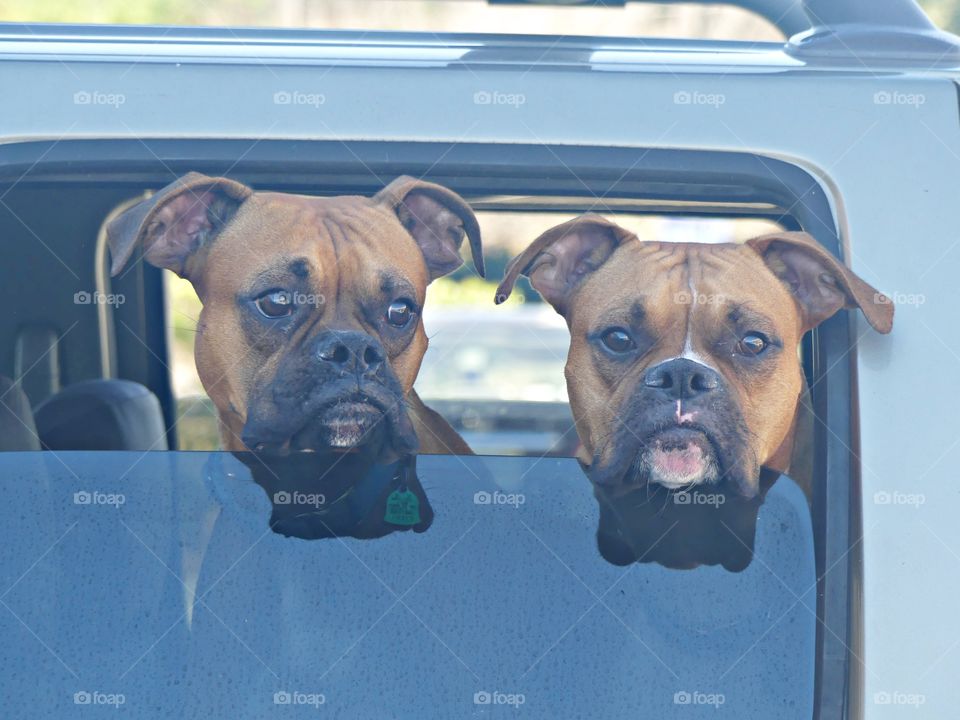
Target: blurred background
{"type": "Point", "coordinates": [651, 20]}
{"type": "Point", "coordinates": [425, 15]}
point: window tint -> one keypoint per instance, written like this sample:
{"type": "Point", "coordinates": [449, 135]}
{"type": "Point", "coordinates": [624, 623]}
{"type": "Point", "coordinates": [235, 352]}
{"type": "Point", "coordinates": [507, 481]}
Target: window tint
{"type": "Point", "coordinates": [156, 581]}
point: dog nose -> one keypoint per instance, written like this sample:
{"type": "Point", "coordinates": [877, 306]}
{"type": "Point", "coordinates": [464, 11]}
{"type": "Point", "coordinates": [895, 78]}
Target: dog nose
{"type": "Point", "coordinates": [682, 379]}
{"type": "Point", "coordinates": [350, 351]}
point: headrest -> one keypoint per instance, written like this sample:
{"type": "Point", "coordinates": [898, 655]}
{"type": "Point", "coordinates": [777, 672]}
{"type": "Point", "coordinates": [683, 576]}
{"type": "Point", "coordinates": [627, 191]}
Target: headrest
{"type": "Point", "coordinates": [101, 415]}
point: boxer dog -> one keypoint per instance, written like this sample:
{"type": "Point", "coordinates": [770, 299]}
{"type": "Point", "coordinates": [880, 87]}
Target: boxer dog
{"type": "Point", "coordinates": [683, 371]}
{"type": "Point", "coordinates": [310, 336]}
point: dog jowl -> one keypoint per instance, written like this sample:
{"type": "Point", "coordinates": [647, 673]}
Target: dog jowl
{"type": "Point", "coordinates": [310, 336]}
{"type": "Point", "coordinates": [683, 369]}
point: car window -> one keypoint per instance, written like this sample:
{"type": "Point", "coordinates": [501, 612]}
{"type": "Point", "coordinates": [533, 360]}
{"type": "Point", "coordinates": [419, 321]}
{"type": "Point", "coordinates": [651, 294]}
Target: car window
{"type": "Point", "coordinates": [182, 584]}
{"type": "Point", "coordinates": [497, 374]}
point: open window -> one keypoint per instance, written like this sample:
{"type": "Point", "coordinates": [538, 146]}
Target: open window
{"type": "Point", "coordinates": [495, 373]}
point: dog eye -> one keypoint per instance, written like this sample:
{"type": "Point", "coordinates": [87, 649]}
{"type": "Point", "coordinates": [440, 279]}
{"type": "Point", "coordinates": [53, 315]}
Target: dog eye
{"type": "Point", "coordinates": [399, 313]}
{"type": "Point", "coordinates": [618, 340]}
{"type": "Point", "coordinates": [752, 344]}
{"type": "Point", "coordinates": [275, 304]}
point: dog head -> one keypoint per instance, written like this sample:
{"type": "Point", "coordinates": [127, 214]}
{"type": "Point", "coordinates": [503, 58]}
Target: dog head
{"type": "Point", "coordinates": [310, 335]}
{"type": "Point", "coordinates": [683, 367]}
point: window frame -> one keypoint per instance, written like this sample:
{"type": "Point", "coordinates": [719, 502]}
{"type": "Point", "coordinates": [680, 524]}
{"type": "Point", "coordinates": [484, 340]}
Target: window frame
{"type": "Point", "coordinates": [487, 170]}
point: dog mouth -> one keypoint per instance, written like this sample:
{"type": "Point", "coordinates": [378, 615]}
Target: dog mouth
{"type": "Point", "coordinates": [674, 457]}
{"type": "Point", "coordinates": [341, 425]}
{"type": "Point", "coordinates": [679, 457]}
{"type": "Point", "coordinates": [352, 421]}
{"type": "Point", "coordinates": [657, 447]}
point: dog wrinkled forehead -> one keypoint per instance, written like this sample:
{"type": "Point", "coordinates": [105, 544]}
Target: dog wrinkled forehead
{"type": "Point", "coordinates": [341, 243]}
{"type": "Point", "coordinates": [592, 251]}
{"type": "Point", "coordinates": [676, 278]}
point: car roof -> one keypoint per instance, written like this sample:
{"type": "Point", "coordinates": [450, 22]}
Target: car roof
{"type": "Point", "coordinates": [851, 47]}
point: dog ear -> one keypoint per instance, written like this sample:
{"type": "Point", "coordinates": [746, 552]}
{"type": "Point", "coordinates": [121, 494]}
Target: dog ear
{"type": "Point", "coordinates": [174, 223]}
{"type": "Point", "coordinates": [561, 257]}
{"type": "Point", "coordinates": [437, 218]}
{"type": "Point", "coordinates": [820, 283]}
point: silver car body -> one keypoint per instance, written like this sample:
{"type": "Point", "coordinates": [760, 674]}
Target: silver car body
{"type": "Point", "coordinates": [882, 141]}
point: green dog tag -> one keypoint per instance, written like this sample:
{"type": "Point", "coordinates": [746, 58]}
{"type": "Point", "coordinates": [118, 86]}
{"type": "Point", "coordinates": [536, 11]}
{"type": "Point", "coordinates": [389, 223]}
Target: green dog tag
{"type": "Point", "coordinates": [403, 508]}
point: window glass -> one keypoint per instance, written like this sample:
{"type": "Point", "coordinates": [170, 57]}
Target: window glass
{"type": "Point", "coordinates": [156, 583]}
